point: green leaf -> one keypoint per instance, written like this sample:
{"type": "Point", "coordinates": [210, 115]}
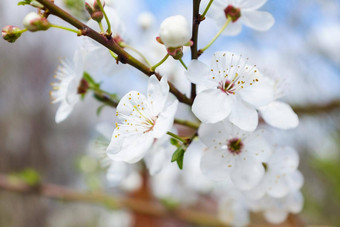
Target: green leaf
{"type": "Point", "coordinates": [99, 110]}
{"type": "Point", "coordinates": [178, 156]}
{"type": "Point", "coordinates": [25, 2]}
{"type": "Point", "coordinates": [89, 79]}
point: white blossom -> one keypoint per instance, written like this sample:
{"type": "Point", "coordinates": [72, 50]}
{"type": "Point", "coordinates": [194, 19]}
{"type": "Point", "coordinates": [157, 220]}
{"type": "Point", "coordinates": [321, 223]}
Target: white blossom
{"type": "Point", "coordinates": [175, 31]}
{"type": "Point", "coordinates": [233, 153]}
{"type": "Point", "coordinates": [35, 22]}
{"type": "Point", "coordinates": [277, 113]}
{"type": "Point", "coordinates": [65, 91]}
{"type": "Point", "coordinates": [242, 12]}
{"type": "Point", "coordinates": [276, 210]}
{"type": "Point", "coordinates": [142, 119]}
{"type": "Point", "coordinates": [281, 177]}
{"type": "Point", "coordinates": [232, 90]}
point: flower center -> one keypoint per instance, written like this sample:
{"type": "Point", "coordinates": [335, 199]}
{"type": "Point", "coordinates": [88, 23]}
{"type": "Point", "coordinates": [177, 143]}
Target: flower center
{"type": "Point", "coordinates": [235, 145]}
{"type": "Point", "coordinates": [232, 12]}
{"type": "Point", "coordinates": [227, 87]}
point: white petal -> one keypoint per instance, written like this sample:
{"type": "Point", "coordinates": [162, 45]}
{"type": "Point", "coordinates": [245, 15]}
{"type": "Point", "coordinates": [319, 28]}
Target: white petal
{"type": "Point", "coordinates": [116, 173]}
{"type": "Point", "coordinates": [165, 120]}
{"type": "Point", "coordinates": [212, 105]}
{"type": "Point", "coordinates": [259, 94]}
{"type": "Point", "coordinates": [157, 93]}
{"type": "Point", "coordinates": [125, 106]}
{"type": "Point", "coordinates": [234, 28]}
{"type": "Point", "coordinates": [252, 4]}
{"type": "Point", "coordinates": [257, 20]}
{"type": "Point", "coordinates": [199, 73]}
{"type": "Point", "coordinates": [216, 167]}
{"type": "Point", "coordinates": [275, 216]}
{"type": "Point", "coordinates": [212, 134]}
{"type": "Point", "coordinates": [157, 156]}
{"type": "Point", "coordinates": [247, 173]}
{"type": "Point", "coordinates": [278, 187]}
{"type": "Point", "coordinates": [284, 160]}
{"type": "Point", "coordinates": [63, 112]}
{"type": "Point", "coordinates": [295, 202]}
{"type": "Point", "coordinates": [280, 115]}
{"type": "Point", "coordinates": [132, 147]}
{"type": "Point", "coordinates": [257, 148]}
{"type": "Point", "coordinates": [244, 116]}
{"type": "Point", "coordinates": [295, 180]}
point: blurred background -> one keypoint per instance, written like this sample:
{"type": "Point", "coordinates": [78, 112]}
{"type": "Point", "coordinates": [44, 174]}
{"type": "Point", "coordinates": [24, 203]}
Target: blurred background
{"type": "Point", "coordinates": [302, 48]}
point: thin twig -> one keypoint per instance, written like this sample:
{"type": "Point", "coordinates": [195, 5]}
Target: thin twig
{"type": "Point", "coordinates": [108, 42]}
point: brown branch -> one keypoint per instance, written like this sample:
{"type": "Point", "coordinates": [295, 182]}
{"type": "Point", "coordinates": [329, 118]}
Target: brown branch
{"type": "Point", "coordinates": [108, 42]}
{"type": "Point", "coordinates": [144, 207]}
{"type": "Point", "coordinates": [318, 108]}
{"type": "Point", "coordinates": [196, 20]}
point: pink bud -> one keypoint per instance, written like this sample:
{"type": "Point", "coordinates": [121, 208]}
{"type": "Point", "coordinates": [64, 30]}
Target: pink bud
{"type": "Point", "coordinates": [11, 33]}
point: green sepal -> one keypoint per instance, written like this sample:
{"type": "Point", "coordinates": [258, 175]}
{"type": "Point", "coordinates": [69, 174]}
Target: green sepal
{"type": "Point", "coordinates": [99, 109]}
{"type": "Point", "coordinates": [174, 142]}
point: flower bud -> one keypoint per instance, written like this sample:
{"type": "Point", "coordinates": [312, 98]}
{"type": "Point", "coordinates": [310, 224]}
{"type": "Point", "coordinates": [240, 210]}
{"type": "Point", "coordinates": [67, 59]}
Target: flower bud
{"type": "Point", "coordinates": [93, 9]}
{"type": "Point", "coordinates": [34, 22]}
{"type": "Point", "coordinates": [175, 32]}
{"type": "Point", "coordinates": [11, 33]}
{"type": "Point", "coordinates": [146, 20]}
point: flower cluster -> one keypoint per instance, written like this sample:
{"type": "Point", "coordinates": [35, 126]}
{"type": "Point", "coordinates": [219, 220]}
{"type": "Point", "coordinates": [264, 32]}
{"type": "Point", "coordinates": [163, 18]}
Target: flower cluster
{"type": "Point", "coordinates": [225, 151]}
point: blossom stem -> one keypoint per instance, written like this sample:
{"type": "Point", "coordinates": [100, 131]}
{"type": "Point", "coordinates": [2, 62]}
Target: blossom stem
{"type": "Point", "coordinates": [181, 61]}
{"type": "Point", "coordinates": [106, 18]}
{"type": "Point", "coordinates": [206, 9]}
{"type": "Point", "coordinates": [113, 55]}
{"type": "Point", "coordinates": [177, 137]}
{"type": "Point", "coordinates": [101, 26]}
{"type": "Point", "coordinates": [216, 36]}
{"type": "Point", "coordinates": [187, 123]}
{"type": "Point", "coordinates": [159, 63]}
{"type": "Point", "coordinates": [122, 44]}
{"type": "Point", "coordinates": [67, 29]}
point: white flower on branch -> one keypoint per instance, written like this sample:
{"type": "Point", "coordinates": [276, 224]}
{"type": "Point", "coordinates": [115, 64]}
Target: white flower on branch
{"type": "Point", "coordinates": [276, 210]}
{"type": "Point", "coordinates": [241, 12]}
{"type": "Point", "coordinates": [67, 91]}
{"type": "Point", "coordinates": [175, 32]}
{"type": "Point", "coordinates": [233, 153]}
{"type": "Point", "coordinates": [142, 119]}
{"type": "Point", "coordinates": [232, 89]}
{"type": "Point", "coordinates": [34, 22]}
{"type": "Point", "coordinates": [279, 114]}
{"type": "Point", "coordinates": [281, 177]}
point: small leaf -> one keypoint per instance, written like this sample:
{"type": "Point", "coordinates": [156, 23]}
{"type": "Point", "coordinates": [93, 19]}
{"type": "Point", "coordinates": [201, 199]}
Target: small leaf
{"type": "Point", "coordinates": [89, 79]}
{"type": "Point", "coordinates": [99, 110]}
{"type": "Point", "coordinates": [176, 154]}
{"type": "Point", "coordinates": [25, 2]}
{"type": "Point", "coordinates": [180, 160]}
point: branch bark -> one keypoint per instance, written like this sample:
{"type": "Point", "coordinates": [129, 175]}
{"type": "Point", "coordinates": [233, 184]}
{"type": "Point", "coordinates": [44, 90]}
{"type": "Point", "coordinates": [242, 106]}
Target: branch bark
{"type": "Point", "coordinates": [108, 42]}
{"type": "Point", "coordinates": [196, 20]}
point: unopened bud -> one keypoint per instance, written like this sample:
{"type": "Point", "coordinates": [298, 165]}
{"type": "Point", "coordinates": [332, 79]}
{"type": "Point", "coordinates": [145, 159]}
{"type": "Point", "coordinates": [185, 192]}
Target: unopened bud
{"type": "Point", "coordinates": [232, 12]}
{"type": "Point", "coordinates": [175, 32]}
{"type": "Point", "coordinates": [176, 53]}
{"type": "Point", "coordinates": [11, 33]}
{"type": "Point", "coordinates": [34, 22]}
{"type": "Point", "coordinates": [94, 10]}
